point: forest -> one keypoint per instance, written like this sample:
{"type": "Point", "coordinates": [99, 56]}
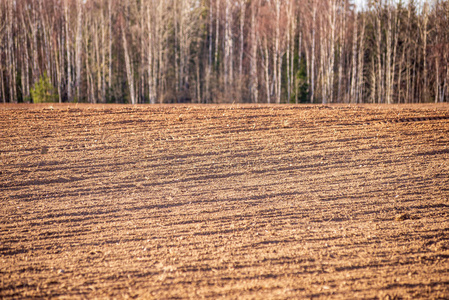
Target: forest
{"type": "Point", "coordinates": [224, 51]}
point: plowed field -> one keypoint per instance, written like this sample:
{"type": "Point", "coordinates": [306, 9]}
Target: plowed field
{"type": "Point", "coordinates": [260, 202]}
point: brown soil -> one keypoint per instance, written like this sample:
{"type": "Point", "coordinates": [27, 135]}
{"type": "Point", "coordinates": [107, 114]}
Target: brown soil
{"type": "Point", "coordinates": [224, 201]}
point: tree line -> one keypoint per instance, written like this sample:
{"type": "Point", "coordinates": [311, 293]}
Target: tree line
{"type": "Point", "coordinates": [223, 51]}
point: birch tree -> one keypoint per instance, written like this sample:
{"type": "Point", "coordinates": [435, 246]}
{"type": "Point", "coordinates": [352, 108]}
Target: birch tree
{"type": "Point", "coordinates": [332, 23]}
{"type": "Point", "coordinates": [312, 52]}
{"type": "Point", "coordinates": [128, 64]}
{"type": "Point", "coordinates": [242, 7]}
{"type": "Point", "coordinates": [10, 51]}
{"type": "Point", "coordinates": [2, 50]}
{"type": "Point", "coordinates": [354, 60]}
{"type": "Point", "coordinates": [424, 34]}
{"type": "Point", "coordinates": [361, 62]}
{"type": "Point", "coordinates": [78, 50]}
{"type": "Point", "coordinates": [228, 47]}
{"type": "Point", "coordinates": [254, 82]}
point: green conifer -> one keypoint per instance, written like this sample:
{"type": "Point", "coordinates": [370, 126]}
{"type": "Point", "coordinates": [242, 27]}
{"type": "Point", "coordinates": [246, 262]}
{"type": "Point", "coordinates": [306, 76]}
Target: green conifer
{"type": "Point", "coordinates": [43, 91]}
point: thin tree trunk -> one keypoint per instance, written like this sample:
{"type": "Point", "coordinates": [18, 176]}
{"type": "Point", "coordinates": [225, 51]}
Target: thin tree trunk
{"type": "Point", "coordinates": [289, 32]}
{"type": "Point", "coordinates": [129, 71]}
{"type": "Point", "coordinates": [322, 70]}
{"type": "Point", "coordinates": [159, 70]}
{"type": "Point", "coordinates": [25, 62]}
{"type": "Point", "coordinates": [276, 51]}
{"type": "Point", "coordinates": [34, 28]}
{"type": "Point", "coordinates": [2, 26]}
{"type": "Point", "coordinates": [47, 45]}
{"type": "Point", "coordinates": [217, 34]}
{"type": "Point", "coordinates": [360, 72]}
{"type": "Point", "coordinates": [267, 73]}
{"type": "Point", "coordinates": [354, 61]}
{"type": "Point", "coordinates": [242, 26]}
{"type": "Point", "coordinates": [103, 69]}
{"type": "Point", "coordinates": [299, 65]}
{"type": "Point", "coordinates": [373, 81]}
{"type": "Point", "coordinates": [89, 80]}
{"type": "Point", "coordinates": [58, 70]}
{"type": "Point", "coordinates": [279, 83]}
{"type": "Point", "coordinates": [198, 78]}
{"type": "Point", "coordinates": [3, 81]}
{"type": "Point", "coordinates": [399, 81]}
{"type": "Point", "coordinates": [209, 59]}
{"type": "Point", "coordinates": [11, 64]}
{"type": "Point", "coordinates": [408, 63]}
{"type": "Point", "coordinates": [395, 49]}
{"type": "Point", "coordinates": [254, 83]}
{"type": "Point", "coordinates": [312, 64]}
{"type": "Point", "coordinates": [446, 80]}
{"type": "Point", "coordinates": [380, 87]}
{"type": "Point", "coordinates": [150, 57]}
{"type": "Point", "coordinates": [331, 54]}
{"type": "Point", "coordinates": [69, 60]}
{"type": "Point", "coordinates": [97, 95]}
{"type": "Point", "coordinates": [292, 34]}
{"type": "Point", "coordinates": [388, 87]}
{"type": "Point", "coordinates": [437, 79]}
{"type": "Point", "coordinates": [183, 49]}
{"type": "Point", "coordinates": [424, 39]}
{"type": "Point", "coordinates": [341, 51]}
{"type": "Point", "coordinates": [61, 56]}
{"type": "Point", "coordinates": [229, 46]}
{"type": "Point", "coordinates": [78, 53]}
{"type": "Point", "coordinates": [177, 45]}
{"type": "Point", "coordinates": [110, 44]}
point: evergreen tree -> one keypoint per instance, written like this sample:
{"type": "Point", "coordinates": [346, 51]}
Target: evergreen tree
{"type": "Point", "coordinates": [43, 91]}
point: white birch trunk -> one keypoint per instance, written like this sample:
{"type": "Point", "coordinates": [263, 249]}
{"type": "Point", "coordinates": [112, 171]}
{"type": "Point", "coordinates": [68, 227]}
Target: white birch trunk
{"type": "Point", "coordinates": [97, 65]}
{"type": "Point", "coordinates": [361, 54]}
{"type": "Point", "coordinates": [57, 69]}
{"type": "Point", "coordinates": [2, 28]}
{"type": "Point", "coordinates": [408, 56]}
{"type": "Point", "coordinates": [389, 33]}
{"type": "Point", "coordinates": [354, 61]}
{"type": "Point", "coordinates": [312, 63]}
{"type": "Point", "coordinates": [254, 83]}
{"type": "Point", "coordinates": [217, 33]}
{"type": "Point", "coordinates": [331, 54]}
{"type": "Point", "coordinates": [25, 60]}
{"type": "Point", "coordinates": [209, 60]}
{"type": "Point", "coordinates": [103, 56]}
{"type": "Point", "coordinates": [424, 39]}
{"type": "Point", "coordinates": [393, 64]}
{"type": "Point", "coordinates": [380, 88]}
{"type": "Point", "coordinates": [341, 52]}
{"type": "Point", "coordinates": [129, 71]}
{"type": "Point", "coordinates": [110, 44]}
{"type": "Point", "coordinates": [446, 80]}
{"type": "Point", "coordinates": [373, 81]}
{"type": "Point", "coordinates": [11, 64]}
{"type": "Point", "coordinates": [299, 64]}
{"type": "Point", "coordinates": [276, 50]}
{"type": "Point", "coordinates": [267, 72]}
{"type": "Point", "coordinates": [242, 26]}
{"type": "Point", "coordinates": [150, 57]}
{"type": "Point", "coordinates": [69, 59]}
{"type": "Point", "coordinates": [229, 48]}
{"type": "Point", "coordinates": [79, 31]}
{"type": "Point", "coordinates": [292, 33]}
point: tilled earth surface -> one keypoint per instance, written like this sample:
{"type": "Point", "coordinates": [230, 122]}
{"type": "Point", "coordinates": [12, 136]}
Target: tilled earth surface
{"type": "Point", "coordinates": [224, 202]}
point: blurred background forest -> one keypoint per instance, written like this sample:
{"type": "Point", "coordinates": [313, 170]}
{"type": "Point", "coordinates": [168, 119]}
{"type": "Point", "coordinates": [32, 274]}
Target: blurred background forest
{"type": "Point", "coordinates": [224, 51]}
